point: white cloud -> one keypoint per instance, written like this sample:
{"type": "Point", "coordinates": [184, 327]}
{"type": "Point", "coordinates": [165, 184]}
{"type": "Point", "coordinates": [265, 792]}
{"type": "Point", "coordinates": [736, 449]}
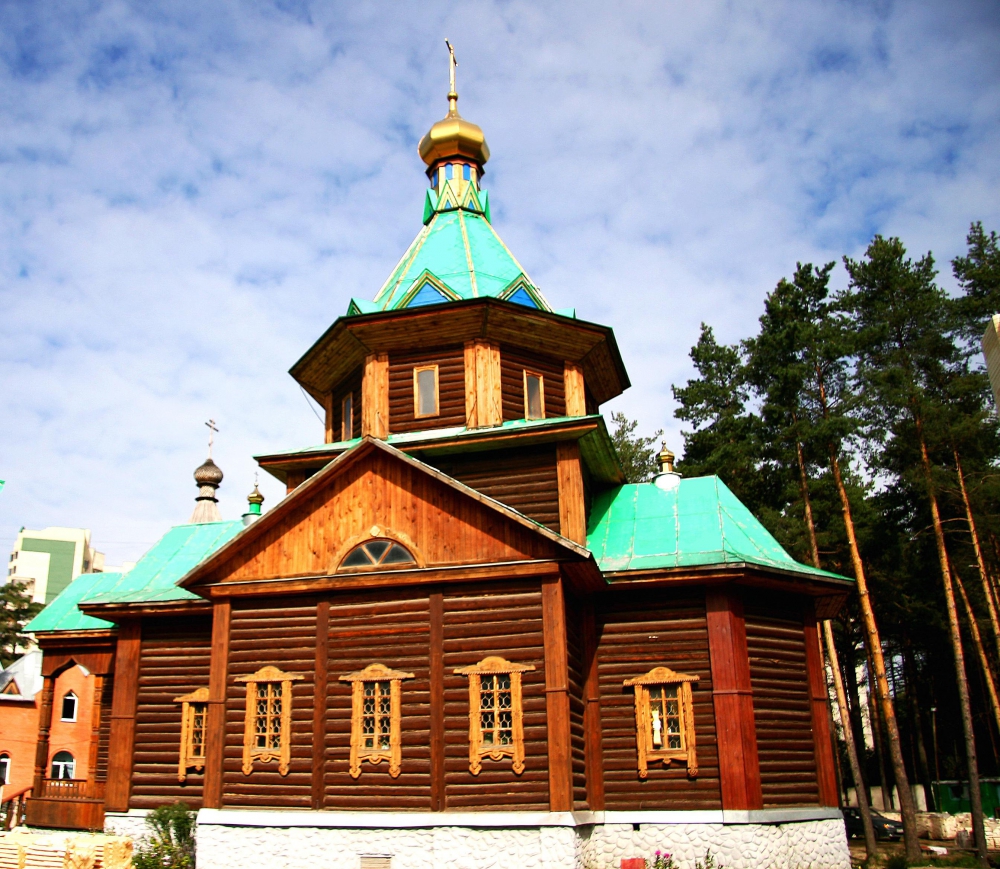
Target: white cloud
{"type": "Point", "coordinates": [192, 192]}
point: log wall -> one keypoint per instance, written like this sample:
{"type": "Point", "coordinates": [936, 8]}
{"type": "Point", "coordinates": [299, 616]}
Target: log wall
{"type": "Point", "coordinates": [512, 367]}
{"type": "Point", "coordinates": [639, 631]}
{"type": "Point", "coordinates": [104, 730]}
{"type": "Point", "coordinates": [280, 632]}
{"type": "Point", "coordinates": [391, 629]}
{"type": "Point", "coordinates": [505, 622]}
{"type": "Point", "coordinates": [524, 479]}
{"type": "Point", "coordinates": [173, 661]}
{"type": "Point", "coordinates": [352, 385]}
{"type": "Point", "coordinates": [451, 390]}
{"type": "Point", "coordinates": [781, 701]}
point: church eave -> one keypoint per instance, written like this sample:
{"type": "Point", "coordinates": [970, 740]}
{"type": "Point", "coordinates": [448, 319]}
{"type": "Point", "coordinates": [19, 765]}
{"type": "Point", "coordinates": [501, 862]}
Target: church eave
{"type": "Point", "coordinates": [343, 347]}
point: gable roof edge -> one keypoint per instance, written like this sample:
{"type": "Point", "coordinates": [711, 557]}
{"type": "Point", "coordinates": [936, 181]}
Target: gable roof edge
{"type": "Point", "coordinates": [366, 445]}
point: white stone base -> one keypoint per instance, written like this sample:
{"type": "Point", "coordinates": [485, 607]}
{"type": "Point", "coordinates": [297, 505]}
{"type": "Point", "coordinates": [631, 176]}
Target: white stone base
{"type": "Point", "coordinates": [131, 823]}
{"type": "Point", "coordinates": [247, 840]}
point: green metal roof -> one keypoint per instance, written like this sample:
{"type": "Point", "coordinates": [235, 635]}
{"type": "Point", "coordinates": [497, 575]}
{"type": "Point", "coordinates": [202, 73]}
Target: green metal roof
{"type": "Point", "coordinates": [456, 255]}
{"type": "Point", "coordinates": [403, 439]}
{"type": "Point", "coordinates": [152, 580]}
{"type": "Point", "coordinates": [700, 522]}
{"type": "Point", "coordinates": [63, 615]}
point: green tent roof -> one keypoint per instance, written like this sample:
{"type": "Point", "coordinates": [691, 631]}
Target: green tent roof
{"type": "Point", "coordinates": [700, 522]}
{"type": "Point", "coordinates": [456, 255]}
{"type": "Point", "coordinates": [153, 579]}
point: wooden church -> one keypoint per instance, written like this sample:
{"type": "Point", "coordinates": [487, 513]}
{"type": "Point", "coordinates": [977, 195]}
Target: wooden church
{"type": "Point", "coordinates": [462, 639]}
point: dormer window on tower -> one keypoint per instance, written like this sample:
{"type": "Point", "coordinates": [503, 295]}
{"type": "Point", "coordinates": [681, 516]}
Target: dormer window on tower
{"type": "Point", "coordinates": [425, 391]}
{"type": "Point", "coordinates": [347, 417]}
{"type": "Point", "coordinates": [534, 395]}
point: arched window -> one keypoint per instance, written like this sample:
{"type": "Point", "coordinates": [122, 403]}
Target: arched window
{"type": "Point", "coordinates": [376, 553]}
{"type": "Point", "coordinates": [69, 706]}
{"type": "Point", "coordinates": [63, 765]}
{"type": "Point", "coordinates": [4, 769]}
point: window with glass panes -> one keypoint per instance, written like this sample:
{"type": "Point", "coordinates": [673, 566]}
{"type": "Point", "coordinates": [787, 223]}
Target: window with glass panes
{"type": "Point", "coordinates": [267, 729]}
{"type": "Point", "coordinates": [194, 718]}
{"type": "Point", "coordinates": [496, 728]}
{"type": "Point", "coordinates": [376, 701]}
{"type": "Point", "coordinates": [664, 719]}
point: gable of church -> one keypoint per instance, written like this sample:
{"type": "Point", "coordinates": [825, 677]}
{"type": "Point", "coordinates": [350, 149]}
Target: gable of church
{"type": "Point", "coordinates": [375, 492]}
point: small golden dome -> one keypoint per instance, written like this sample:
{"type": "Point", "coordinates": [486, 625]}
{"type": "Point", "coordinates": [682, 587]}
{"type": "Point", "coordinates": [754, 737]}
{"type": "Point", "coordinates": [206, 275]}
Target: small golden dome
{"type": "Point", "coordinates": [453, 136]}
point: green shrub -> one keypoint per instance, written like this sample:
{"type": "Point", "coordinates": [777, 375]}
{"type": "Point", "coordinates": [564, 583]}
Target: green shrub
{"type": "Point", "coordinates": [171, 839]}
{"type": "Point", "coordinates": [896, 861]}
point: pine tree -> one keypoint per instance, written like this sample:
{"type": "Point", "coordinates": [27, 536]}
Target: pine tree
{"type": "Point", "coordinates": [978, 274]}
{"type": "Point", "coordinates": [904, 354]}
{"type": "Point", "coordinates": [726, 437]}
{"type": "Point", "coordinates": [637, 454]}
{"type": "Point", "coordinates": [16, 610]}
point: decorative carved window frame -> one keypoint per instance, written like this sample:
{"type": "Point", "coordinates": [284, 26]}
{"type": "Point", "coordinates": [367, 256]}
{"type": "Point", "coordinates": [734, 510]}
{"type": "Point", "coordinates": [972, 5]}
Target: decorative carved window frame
{"type": "Point", "coordinates": [416, 390]}
{"type": "Point", "coordinates": [541, 392]}
{"type": "Point", "coordinates": [347, 417]}
{"type": "Point", "coordinates": [375, 755]}
{"type": "Point", "coordinates": [189, 711]}
{"type": "Point", "coordinates": [283, 752]}
{"type": "Point", "coordinates": [664, 677]}
{"type": "Point", "coordinates": [493, 666]}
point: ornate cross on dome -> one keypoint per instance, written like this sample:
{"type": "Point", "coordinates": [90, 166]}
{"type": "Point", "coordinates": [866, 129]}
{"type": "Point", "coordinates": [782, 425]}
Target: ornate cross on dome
{"type": "Point", "coordinates": [452, 63]}
{"type": "Point", "coordinates": [211, 433]}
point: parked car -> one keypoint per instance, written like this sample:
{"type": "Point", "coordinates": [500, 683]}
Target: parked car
{"type": "Point", "coordinates": [885, 828]}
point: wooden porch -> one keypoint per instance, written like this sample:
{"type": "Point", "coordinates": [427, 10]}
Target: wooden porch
{"type": "Point", "coordinates": [67, 804]}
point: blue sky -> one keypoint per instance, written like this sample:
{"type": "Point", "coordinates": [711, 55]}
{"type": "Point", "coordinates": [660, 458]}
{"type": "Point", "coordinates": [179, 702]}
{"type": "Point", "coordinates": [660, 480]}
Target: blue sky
{"type": "Point", "coordinates": [192, 191]}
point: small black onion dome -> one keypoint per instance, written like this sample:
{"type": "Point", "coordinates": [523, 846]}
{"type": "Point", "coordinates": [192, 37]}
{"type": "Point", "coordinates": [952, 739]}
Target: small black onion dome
{"type": "Point", "coordinates": [208, 474]}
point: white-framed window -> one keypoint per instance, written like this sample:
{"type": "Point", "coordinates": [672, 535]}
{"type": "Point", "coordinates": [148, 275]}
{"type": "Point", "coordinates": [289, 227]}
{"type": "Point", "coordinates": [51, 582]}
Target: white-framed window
{"type": "Point", "coordinates": [534, 395]}
{"type": "Point", "coordinates": [69, 704]}
{"type": "Point", "coordinates": [425, 391]}
{"type": "Point", "coordinates": [4, 769]}
{"type": "Point", "coordinates": [347, 417]}
{"type": "Point", "coordinates": [63, 765]}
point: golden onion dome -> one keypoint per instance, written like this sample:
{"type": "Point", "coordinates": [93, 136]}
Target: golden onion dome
{"type": "Point", "coordinates": [453, 136]}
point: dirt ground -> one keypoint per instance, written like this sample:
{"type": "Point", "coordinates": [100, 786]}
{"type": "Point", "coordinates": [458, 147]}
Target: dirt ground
{"type": "Point", "coordinates": [886, 849]}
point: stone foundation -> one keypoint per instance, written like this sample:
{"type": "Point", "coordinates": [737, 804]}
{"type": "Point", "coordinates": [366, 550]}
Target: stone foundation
{"type": "Point", "coordinates": [131, 823]}
{"type": "Point", "coordinates": [233, 839]}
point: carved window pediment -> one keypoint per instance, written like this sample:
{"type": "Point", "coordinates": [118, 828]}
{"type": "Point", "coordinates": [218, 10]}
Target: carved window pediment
{"type": "Point", "coordinates": [664, 719]}
{"type": "Point", "coordinates": [496, 728]}
{"type": "Point", "coordinates": [194, 726]}
{"type": "Point", "coordinates": [267, 732]}
{"type": "Point", "coordinates": [375, 717]}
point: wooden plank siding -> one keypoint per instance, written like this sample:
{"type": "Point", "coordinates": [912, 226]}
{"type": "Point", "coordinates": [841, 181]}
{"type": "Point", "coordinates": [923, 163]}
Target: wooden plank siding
{"type": "Point", "coordinates": [282, 633]}
{"type": "Point", "coordinates": [392, 629]}
{"type": "Point", "coordinates": [781, 701]}
{"type": "Point", "coordinates": [439, 524]}
{"type": "Point", "coordinates": [505, 622]}
{"type": "Point", "coordinates": [173, 661]}
{"type": "Point", "coordinates": [642, 630]}
{"type": "Point", "coordinates": [524, 479]}
{"type": "Point", "coordinates": [451, 390]}
{"type": "Point", "coordinates": [513, 364]}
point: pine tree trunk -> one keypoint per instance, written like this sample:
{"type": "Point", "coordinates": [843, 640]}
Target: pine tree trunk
{"type": "Point", "coordinates": [984, 663]}
{"type": "Point", "coordinates": [924, 768]}
{"type": "Point", "coordinates": [906, 806]}
{"type": "Point", "coordinates": [980, 561]}
{"type": "Point", "coordinates": [875, 718]}
{"type": "Point", "coordinates": [975, 797]}
{"type": "Point", "coordinates": [871, 844]}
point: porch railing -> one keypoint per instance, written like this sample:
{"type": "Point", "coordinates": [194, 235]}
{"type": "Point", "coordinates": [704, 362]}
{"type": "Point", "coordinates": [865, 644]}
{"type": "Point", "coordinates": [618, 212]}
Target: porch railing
{"type": "Point", "coordinates": [12, 809]}
{"type": "Point", "coordinates": [71, 789]}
